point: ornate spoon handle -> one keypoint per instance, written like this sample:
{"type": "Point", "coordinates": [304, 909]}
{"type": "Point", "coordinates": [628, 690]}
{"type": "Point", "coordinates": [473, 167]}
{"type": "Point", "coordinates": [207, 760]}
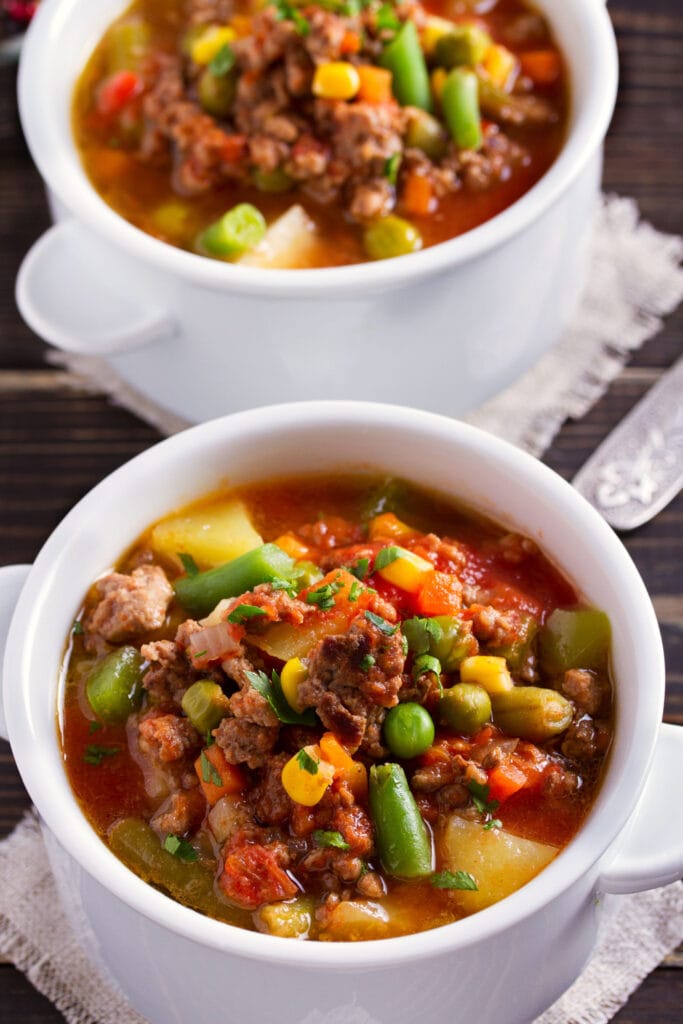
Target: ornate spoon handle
{"type": "Point", "coordinates": [638, 468]}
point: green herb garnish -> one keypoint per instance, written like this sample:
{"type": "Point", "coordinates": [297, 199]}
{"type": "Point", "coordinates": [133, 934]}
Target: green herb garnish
{"type": "Point", "coordinates": [306, 762]}
{"type": "Point", "coordinates": [386, 556]}
{"type": "Point", "coordinates": [334, 839]}
{"type": "Point", "coordinates": [96, 755]}
{"type": "Point", "coordinates": [93, 727]}
{"type": "Point", "coordinates": [223, 62]}
{"type": "Point", "coordinates": [323, 597]}
{"type": "Point", "coordinates": [354, 591]}
{"type": "Point", "coordinates": [271, 689]}
{"type": "Point", "coordinates": [360, 569]}
{"type": "Point", "coordinates": [387, 18]}
{"type": "Point", "coordinates": [180, 848]}
{"type": "Point", "coordinates": [366, 662]}
{"type": "Point", "coordinates": [391, 166]}
{"type": "Point", "coordinates": [421, 633]}
{"type": "Point", "coordinates": [381, 624]}
{"type": "Point", "coordinates": [77, 628]}
{"type": "Point", "coordinates": [209, 772]}
{"type": "Point", "coordinates": [454, 880]}
{"type": "Point", "coordinates": [285, 11]}
{"type": "Point", "coordinates": [426, 663]}
{"type": "Point", "coordinates": [245, 611]}
{"type": "Point", "coordinates": [481, 800]}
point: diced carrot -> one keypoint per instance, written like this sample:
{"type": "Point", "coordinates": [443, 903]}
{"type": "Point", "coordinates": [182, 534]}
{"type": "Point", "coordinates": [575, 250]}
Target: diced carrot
{"type": "Point", "coordinates": [441, 594]}
{"type": "Point", "coordinates": [116, 91]}
{"type": "Point", "coordinates": [418, 196]}
{"type": "Point", "coordinates": [504, 781]}
{"type": "Point", "coordinates": [294, 547]}
{"type": "Point", "coordinates": [388, 525]}
{"type": "Point", "coordinates": [353, 772]}
{"type": "Point", "coordinates": [543, 67]}
{"type": "Point", "coordinates": [351, 43]}
{"type": "Point", "coordinates": [233, 779]}
{"type": "Point", "coordinates": [375, 84]}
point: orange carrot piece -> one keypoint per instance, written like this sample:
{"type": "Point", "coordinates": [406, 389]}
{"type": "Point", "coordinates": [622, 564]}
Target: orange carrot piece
{"type": "Point", "coordinates": [353, 772]}
{"type": "Point", "coordinates": [440, 594]}
{"type": "Point", "coordinates": [504, 781]}
{"type": "Point", "coordinates": [417, 196]}
{"type": "Point", "coordinates": [351, 43]}
{"type": "Point", "coordinates": [233, 779]}
{"type": "Point", "coordinates": [294, 547]}
{"type": "Point", "coordinates": [375, 84]}
{"type": "Point", "coordinates": [543, 67]}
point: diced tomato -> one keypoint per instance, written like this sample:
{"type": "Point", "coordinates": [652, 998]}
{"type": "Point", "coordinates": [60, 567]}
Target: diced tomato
{"type": "Point", "coordinates": [233, 778]}
{"type": "Point", "coordinates": [504, 596]}
{"type": "Point", "coordinates": [404, 603]}
{"type": "Point", "coordinates": [234, 148]}
{"type": "Point", "coordinates": [117, 91]}
{"type": "Point", "coordinates": [440, 595]}
{"type": "Point", "coordinates": [252, 876]}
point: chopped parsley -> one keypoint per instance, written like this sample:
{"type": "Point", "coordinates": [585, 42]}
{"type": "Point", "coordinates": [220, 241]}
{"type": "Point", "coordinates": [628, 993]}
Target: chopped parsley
{"type": "Point", "coordinates": [479, 792]}
{"type": "Point", "coordinates": [96, 755]}
{"type": "Point", "coordinates": [93, 727]}
{"type": "Point", "coordinates": [189, 564]}
{"type": "Point", "coordinates": [323, 597]}
{"type": "Point", "coordinates": [366, 662]}
{"type": "Point", "coordinates": [306, 762]}
{"type": "Point", "coordinates": [245, 611]}
{"type": "Point", "coordinates": [391, 166]}
{"type": "Point", "coordinates": [387, 18]}
{"type": "Point", "coordinates": [381, 624]}
{"type": "Point", "coordinates": [271, 689]}
{"type": "Point", "coordinates": [354, 591]}
{"type": "Point", "coordinates": [209, 772]}
{"type": "Point", "coordinates": [454, 880]}
{"type": "Point", "coordinates": [77, 628]}
{"type": "Point", "coordinates": [404, 645]}
{"type": "Point", "coordinates": [386, 556]}
{"type": "Point", "coordinates": [223, 62]}
{"type": "Point", "coordinates": [360, 569]}
{"type": "Point", "coordinates": [200, 654]}
{"type": "Point", "coordinates": [285, 11]}
{"type": "Point", "coordinates": [421, 634]}
{"type": "Point", "coordinates": [426, 663]}
{"type": "Point", "coordinates": [334, 839]}
{"type": "Point", "coordinates": [180, 848]}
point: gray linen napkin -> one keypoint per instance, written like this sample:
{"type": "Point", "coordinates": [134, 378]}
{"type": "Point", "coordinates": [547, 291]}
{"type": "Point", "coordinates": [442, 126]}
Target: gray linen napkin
{"type": "Point", "coordinates": [635, 279]}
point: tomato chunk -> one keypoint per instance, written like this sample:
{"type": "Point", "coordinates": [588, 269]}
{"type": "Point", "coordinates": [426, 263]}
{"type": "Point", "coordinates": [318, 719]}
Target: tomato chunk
{"type": "Point", "coordinates": [252, 876]}
{"type": "Point", "coordinates": [117, 91]}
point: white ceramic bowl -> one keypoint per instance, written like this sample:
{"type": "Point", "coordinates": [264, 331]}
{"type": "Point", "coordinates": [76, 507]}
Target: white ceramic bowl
{"type": "Point", "coordinates": [442, 329]}
{"type": "Point", "coordinates": [175, 965]}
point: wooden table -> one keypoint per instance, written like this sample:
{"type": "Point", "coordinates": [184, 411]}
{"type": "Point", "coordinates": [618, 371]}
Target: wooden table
{"type": "Point", "coordinates": [56, 442]}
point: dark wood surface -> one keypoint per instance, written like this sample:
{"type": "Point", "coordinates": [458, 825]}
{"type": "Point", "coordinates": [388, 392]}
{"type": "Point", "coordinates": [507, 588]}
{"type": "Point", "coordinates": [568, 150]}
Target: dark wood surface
{"type": "Point", "coordinates": [56, 442]}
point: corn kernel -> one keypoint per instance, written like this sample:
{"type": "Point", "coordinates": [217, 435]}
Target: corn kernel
{"type": "Point", "coordinates": [205, 47]}
{"type": "Point", "coordinates": [438, 80]}
{"type": "Point", "coordinates": [306, 776]}
{"type": "Point", "coordinates": [293, 674]}
{"type": "Point", "coordinates": [337, 80]}
{"type": "Point", "coordinates": [434, 29]}
{"type": "Point", "coordinates": [501, 66]}
{"type": "Point", "coordinates": [388, 525]}
{"type": "Point", "coordinates": [487, 671]}
{"type": "Point", "coordinates": [294, 547]}
{"type": "Point", "coordinates": [408, 571]}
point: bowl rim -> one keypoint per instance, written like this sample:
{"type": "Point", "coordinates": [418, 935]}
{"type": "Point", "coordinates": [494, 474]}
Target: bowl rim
{"type": "Point", "coordinates": [59, 809]}
{"type": "Point", "coordinates": [55, 155]}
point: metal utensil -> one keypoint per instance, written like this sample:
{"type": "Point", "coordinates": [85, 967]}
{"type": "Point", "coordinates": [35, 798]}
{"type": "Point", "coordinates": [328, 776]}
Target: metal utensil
{"type": "Point", "coordinates": [638, 468]}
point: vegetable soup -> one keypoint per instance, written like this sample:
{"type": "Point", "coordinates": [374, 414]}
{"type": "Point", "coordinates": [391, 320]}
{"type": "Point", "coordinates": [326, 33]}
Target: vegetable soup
{"type": "Point", "coordinates": [335, 708]}
{"type": "Point", "coordinates": [305, 134]}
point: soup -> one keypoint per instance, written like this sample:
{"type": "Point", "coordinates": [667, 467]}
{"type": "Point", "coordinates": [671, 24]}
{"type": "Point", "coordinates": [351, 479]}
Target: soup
{"type": "Point", "coordinates": [318, 134]}
{"type": "Point", "coordinates": [335, 709]}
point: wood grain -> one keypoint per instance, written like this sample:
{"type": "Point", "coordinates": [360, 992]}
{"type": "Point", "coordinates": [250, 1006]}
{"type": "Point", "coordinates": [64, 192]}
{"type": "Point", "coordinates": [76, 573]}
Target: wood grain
{"type": "Point", "coordinates": [57, 441]}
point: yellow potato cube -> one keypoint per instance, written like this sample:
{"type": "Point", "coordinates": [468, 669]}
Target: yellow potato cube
{"type": "Point", "coordinates": [407, 571]}
{"type": "Point", "coordinates": [212, 535]}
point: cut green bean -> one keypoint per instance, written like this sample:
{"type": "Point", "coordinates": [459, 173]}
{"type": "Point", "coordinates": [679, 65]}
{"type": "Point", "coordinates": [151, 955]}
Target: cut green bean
{"type": "Point", "coordinates": [114, 687]}
{"type": "Point", "coordinates": [531, 712]}
{"type": "Point", "coordinates": [574, 639]}
{"type": "Point", "coordinates": [405, 59]}
{"type": "Point", "coordinates": [465, 708]}
{"type": "Point", "coordinates": [460, 103]}
{"type": "Point", "coordinates": [391, 236]}
{"type": "Point", "coordinates": [466, 44]}
{"type": "Point", "coordinates": [401, 836]}
{"type": "Point", "coordinates": [205, 705]}
{"type": "Point", "coordinates": [201, 593]}
{"type": "Point", "coordinates": [237, 231]}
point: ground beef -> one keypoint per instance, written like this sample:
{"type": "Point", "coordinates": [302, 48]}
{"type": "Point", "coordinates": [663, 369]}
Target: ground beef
{"type": "Point", "coordinates": [447, 555]}
{"type": "Point", "coordinates": [169, 674]}
{"type": "Point", "coordinates": [169, 737]}
{"type": "Point", "coordinates": [210, 12]}
{"type": "Point", "coordinates": [494, 627]}
{"type": "Point", "coordinates": [341, 690]}
{"type": "Point", "coordinates": [585, 740]}
{"type": "Point", "coordinates": [271, 804]}
{"type": "Point", "coordinates": [585, 689]}
{"type": "Point", "coordinates": [132, 605]}
{"type": "Point", "coordinates": [246, 742]}
{"type": "Point", "coordinates": [181, 814]}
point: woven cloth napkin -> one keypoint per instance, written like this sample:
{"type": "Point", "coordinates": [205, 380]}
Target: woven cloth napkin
{"type": "Point", "coordinates": [635, 279]}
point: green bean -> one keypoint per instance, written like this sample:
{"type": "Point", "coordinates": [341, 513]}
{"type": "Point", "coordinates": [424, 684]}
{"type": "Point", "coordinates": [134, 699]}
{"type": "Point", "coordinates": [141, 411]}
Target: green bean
{"type": "Point", "coordinates": [401, 836]}
{"type": "Point", "coordinates": [237, 231]}
{"type": "Point", "coordinates": [531, 712]}
{"type": "Point", "coordinates": [216, 93]}
{"type": "Point", "coordinates": [190, 883]}
{"type": "Point", "coordinates": [205, 705]}
{"type": "Point", "coordinates": [466, 44]}
{"type": "Point", "coordinates": [465, 708]}
{"type": "Point", "coordinates": [391, 236]}
{"type": "Point", "coordinates": [114, 687]}
{"type": "Point", "coordinates": [574, 639]}
{"type": "Point", "coordinates": [404, 58]}
{"type": "Point", "coordinates": [201, 593]}
{"type": "Point", "coordinates": [408, 730]}
{"type": "Point", "coordinates": [460, 103]}
{"type": "Point", "coordinates": [425, 132]}
{"type": "Point", "coordinates": [126, 44]}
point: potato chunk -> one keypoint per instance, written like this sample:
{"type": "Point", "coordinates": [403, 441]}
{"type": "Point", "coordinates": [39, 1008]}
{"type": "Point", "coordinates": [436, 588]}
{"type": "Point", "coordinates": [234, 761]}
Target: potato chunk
{"type": "Point", "coordinates": [213, 534]}
{"type": "Point", "coordinates": [290, 241]}
{"type": "Point", "coordinates": [500, 862]}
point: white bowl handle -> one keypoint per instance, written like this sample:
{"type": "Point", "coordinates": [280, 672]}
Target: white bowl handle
{"type": "Point", "coordinates": [64, 292]}
{"type": "Point", "coordinates": [12, 579]}
{"type": "Point", "coordinates": [650, 852]}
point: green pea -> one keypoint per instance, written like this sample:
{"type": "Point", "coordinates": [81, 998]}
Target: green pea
{"type": "Point", "coordinates": [216, 93]}
{"type": "Point", "coordinates": [237, 231]}
{"type": "Point", "coordinates": [408, 730]}
{"type": "Point", "coordinates": [114, 686]}
{"type": "Point", "coordinates": [391, 236]}
{"type": "Point", "coordinates": [465, 708]}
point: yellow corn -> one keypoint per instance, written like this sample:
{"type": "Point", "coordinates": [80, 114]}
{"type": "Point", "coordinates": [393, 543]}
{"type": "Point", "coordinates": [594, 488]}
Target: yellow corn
{"type": "Point", "coordinates": [438, 80]}
{"type": "Point", "coordinates": [408, 571]}
{"type": "Point", "coordinates": [489, 672]}
{"type": "Point", "coordinates": [337, 80]}
{"type": "Point", "coordinates": [305, 777]}
{"type": "Point", "coordinates": [293, 674]}
{"type": "Point", "coordinates": [501, 66]}
{"type": "Point", "coordinates": [205, 47]}
{"type": "Point", "coordinates": [294, 547]}
{"type": "Point", "coordinates": [387, 525]}
{"type": "Point", "coordinates": [434, 29]}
